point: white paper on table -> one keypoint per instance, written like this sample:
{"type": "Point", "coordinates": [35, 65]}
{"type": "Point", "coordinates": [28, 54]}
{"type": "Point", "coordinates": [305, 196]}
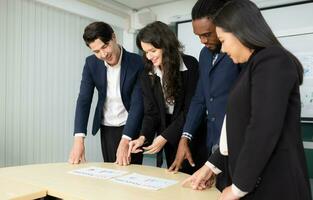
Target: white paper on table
{"type": "Point", "coordinates": [98, 172]}
{"type": "Point", "coordinates": [146, 182]}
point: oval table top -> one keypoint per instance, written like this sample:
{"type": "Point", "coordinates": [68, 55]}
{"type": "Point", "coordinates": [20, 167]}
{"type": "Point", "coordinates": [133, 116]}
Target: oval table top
{"type": "Point", "coordinates": [54, 177]}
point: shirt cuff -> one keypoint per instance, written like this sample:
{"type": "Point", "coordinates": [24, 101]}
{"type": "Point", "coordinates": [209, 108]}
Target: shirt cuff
{"type": "Point", "coordinates": [239, 193]}
{"type": "Point", "coordinates": [126, 137]}
{"type": "Point", "coordinates": [213, 168]}
{"type": "Point", "coordinates": [187, 135]}
{"type": "Point", "coordinates": [80, 135]}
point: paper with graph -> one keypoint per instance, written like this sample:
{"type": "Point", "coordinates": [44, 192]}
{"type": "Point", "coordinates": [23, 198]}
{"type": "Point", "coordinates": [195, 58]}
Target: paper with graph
{"type": "Point", "coordinates": [145, 182]}
{"type": "Point", "coordinates": [98, 172]}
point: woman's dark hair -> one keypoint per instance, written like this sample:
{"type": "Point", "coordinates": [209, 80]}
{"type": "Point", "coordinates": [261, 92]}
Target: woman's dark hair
{"type": "Point", "coordinates": [244, 19]}
{"type": "Point", "coordinates": [162, 37]}
{"type": "Point", "coordinates": [98, 30]}
{"type": "Point", "coordinates": [206, 8]}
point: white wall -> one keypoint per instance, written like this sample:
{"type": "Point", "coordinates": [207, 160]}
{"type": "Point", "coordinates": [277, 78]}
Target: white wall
{"type": "Point", "coordinates": [181, 10]}
{"type": "Point", "coordinates": [41, 59]}
{"type": "Point", "coordinates": [174, 12]}
{"type": "Point", "coordinates": [2, 84]}
{"type": "Point", "coordinates": [290, 20]}
{"type": "Point", "coordinates": [119, 18]}
{"type": "Point", "coordinates": [190, 41]}
{"type": "Point", "coordinates": [269, 3]}
{"type": "Point", "coordinates": [89, 11]}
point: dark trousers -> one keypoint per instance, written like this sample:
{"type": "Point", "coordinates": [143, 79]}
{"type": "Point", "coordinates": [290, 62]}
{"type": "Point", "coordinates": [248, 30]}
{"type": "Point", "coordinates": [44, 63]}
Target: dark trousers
{"type": "Point", "coordinates": [169, 150]}
{"type": "Point", "coordinates": [170, 153]}
{"type": "Point", "coordinates": [110, 139]}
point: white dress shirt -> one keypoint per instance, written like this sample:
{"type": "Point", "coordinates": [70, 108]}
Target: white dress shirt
{"type": "Point", "coordinates": [114, 112]}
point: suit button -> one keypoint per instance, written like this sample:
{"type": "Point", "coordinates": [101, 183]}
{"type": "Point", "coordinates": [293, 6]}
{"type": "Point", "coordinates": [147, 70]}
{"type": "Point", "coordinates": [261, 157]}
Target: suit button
{"type": "Point", "coordinates": [212, 119]}
{"type": "Point", "coordinates": [211, 99]}
{"type": "Point", "coordinates": [258, 182]}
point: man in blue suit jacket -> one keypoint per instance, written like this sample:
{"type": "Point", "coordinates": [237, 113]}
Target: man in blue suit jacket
{"type": "Point", "coordinates": [217, 75]}
{"type": "Point", "coordinates": [114, 72]}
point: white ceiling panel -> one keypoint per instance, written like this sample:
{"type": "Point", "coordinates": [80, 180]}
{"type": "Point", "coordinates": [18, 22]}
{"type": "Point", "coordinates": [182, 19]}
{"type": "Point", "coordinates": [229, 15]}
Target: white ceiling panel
{"type": "Point", "coordinates": [140, 4]}
{"type": "Point", "coordinates": [135, 5]}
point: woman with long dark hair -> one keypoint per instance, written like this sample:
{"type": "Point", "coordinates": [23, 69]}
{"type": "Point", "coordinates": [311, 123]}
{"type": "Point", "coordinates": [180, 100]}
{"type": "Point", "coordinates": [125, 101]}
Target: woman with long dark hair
{"type": "Point", "coordinates": [168, 84]}
{"type": "Point", "coordinates": [261, 134]}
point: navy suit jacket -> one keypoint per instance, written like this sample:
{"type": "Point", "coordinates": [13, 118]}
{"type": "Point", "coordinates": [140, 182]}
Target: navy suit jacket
{"type": "Point", "coordinates": [95, 75]}
{"type": "Point", "coordinates": [214, 84]}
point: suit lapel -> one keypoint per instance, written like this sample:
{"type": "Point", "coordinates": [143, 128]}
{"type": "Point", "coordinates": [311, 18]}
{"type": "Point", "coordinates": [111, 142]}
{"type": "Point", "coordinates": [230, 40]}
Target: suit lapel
{"type": "Point", "coordinates": [159, 97]}
{"type": "Point", "coordinates": [103, 75]}
{"type": "Point", "coordinates": [209, 62]}
{"type": "Point", "coordinates": [124, 65]}
{"type": "Point", "coordinates": [219, 58]}
{"type": "Point", "coordinates": [179, 98]}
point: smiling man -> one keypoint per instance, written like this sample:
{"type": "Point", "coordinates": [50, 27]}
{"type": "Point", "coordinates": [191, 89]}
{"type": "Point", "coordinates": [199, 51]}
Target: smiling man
{"type": "Point", "coordinates": [114, 72]}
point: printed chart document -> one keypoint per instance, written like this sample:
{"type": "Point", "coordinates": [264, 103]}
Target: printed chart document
{"type": "Point", "coordinates": [98, 172]}
{"type": "Point", "coordinates": [146, 182]}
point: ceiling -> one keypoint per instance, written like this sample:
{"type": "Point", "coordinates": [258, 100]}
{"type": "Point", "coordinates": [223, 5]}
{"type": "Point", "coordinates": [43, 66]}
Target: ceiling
{"type": "Point", "coordinates": [128, 5]}
{"type": "Point", "coordinates": [140, 4]}
{"type": "Point", "coordinates": [125, 8]}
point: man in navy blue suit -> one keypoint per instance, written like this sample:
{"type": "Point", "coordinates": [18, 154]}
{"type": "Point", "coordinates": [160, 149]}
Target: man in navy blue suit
{"type": "Point", "coordinates": [114, 72]}
{"type": "Point", "coordinates": [217, 75]}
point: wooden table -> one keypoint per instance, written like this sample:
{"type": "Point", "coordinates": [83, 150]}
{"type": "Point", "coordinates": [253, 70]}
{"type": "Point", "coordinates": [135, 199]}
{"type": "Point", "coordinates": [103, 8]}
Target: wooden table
{"type": "Point", "coordinates": [12, 189]}
{"type": "Point", "coordinates": [59, 183]}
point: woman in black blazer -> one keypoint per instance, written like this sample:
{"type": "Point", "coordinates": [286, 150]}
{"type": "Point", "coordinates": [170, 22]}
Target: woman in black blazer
{"type": "Point", "coordinates": [261, 137]}
{"type": "Point", "coordinates": [168, 84]}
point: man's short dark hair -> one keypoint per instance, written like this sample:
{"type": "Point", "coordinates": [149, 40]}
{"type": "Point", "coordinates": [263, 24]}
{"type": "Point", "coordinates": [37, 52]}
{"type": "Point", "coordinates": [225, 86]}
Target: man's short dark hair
{"type": "Point", "coordinates": [98, 30]}
{"type": "Point", "coordinates": [206, 8]}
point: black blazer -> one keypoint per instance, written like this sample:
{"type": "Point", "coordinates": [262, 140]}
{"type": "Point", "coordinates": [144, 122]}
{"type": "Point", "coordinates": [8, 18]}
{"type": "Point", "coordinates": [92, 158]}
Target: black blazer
{"type": "Point", "coordinates": [154, 120]}
{"type": "Point", "coordinates": [266, 155]}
